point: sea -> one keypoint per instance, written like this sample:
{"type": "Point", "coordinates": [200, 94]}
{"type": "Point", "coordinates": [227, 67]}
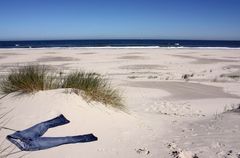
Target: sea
{"type": "Point", "coordinates": [121, 43]}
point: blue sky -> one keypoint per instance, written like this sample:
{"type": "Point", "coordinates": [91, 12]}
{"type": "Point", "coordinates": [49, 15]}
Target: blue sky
{"type": "Point", "coordinates": [113, 19]}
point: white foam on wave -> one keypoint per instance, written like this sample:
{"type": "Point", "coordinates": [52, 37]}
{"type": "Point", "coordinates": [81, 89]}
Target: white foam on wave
{"type": "Point", "coordinates": [130, 47]}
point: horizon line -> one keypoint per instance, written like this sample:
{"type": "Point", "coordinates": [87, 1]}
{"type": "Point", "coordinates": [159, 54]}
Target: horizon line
{"type": "Point", "coordinates": [92, 39]}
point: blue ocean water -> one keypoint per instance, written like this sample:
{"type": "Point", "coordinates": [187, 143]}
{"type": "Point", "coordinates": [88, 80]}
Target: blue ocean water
{"type": "Point", "coordinates": [119, 43]}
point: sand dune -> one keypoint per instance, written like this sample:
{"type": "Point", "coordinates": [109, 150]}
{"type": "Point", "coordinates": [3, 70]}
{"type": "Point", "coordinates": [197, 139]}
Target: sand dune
{"type": "Point", "coordinates": [166, 116]}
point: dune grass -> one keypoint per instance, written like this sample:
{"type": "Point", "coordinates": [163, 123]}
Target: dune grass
{"type": "Point", "coordinates": [93, 87]}
{"type": "Point", "coordinates": [28, 79]}
{"type": "Point", "coordinates": [32, 78]}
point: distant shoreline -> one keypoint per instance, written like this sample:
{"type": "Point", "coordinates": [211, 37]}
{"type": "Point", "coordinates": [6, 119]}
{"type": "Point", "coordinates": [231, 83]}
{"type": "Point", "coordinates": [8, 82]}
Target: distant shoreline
{"type": "Point", "coordinates": [121, 44]}
{"type": "Point", "coordinates": [126, 47]}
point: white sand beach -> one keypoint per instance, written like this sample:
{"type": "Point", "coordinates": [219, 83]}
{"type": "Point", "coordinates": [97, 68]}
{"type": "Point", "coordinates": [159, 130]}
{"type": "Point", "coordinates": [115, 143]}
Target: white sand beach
{"type": "Point", "coordinates": [166, 115]}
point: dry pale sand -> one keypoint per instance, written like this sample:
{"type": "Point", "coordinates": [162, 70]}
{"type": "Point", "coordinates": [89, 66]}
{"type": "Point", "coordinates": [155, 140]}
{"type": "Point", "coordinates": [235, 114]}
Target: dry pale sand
{"type": "Point", "coordinates": [167, 116]}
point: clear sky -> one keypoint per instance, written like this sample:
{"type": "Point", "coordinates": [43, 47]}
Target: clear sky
{"type": "Point", "coordinates": [108, 19]}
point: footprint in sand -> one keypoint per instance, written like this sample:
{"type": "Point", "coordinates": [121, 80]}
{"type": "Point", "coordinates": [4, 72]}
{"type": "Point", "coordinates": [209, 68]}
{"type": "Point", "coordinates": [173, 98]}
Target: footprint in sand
{"type": "Point", "coordinates": [176, 152]}
{"type": "Point", "coordinates": [142, 151]}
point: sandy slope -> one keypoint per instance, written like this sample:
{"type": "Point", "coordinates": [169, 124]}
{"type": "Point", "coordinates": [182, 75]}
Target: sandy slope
{"type": "Point", "coordinates": [212, 137]}
{"type": "Point", "coordinates": [167, 116]}
{"type": "Point", "coordinates": [114, 129]}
